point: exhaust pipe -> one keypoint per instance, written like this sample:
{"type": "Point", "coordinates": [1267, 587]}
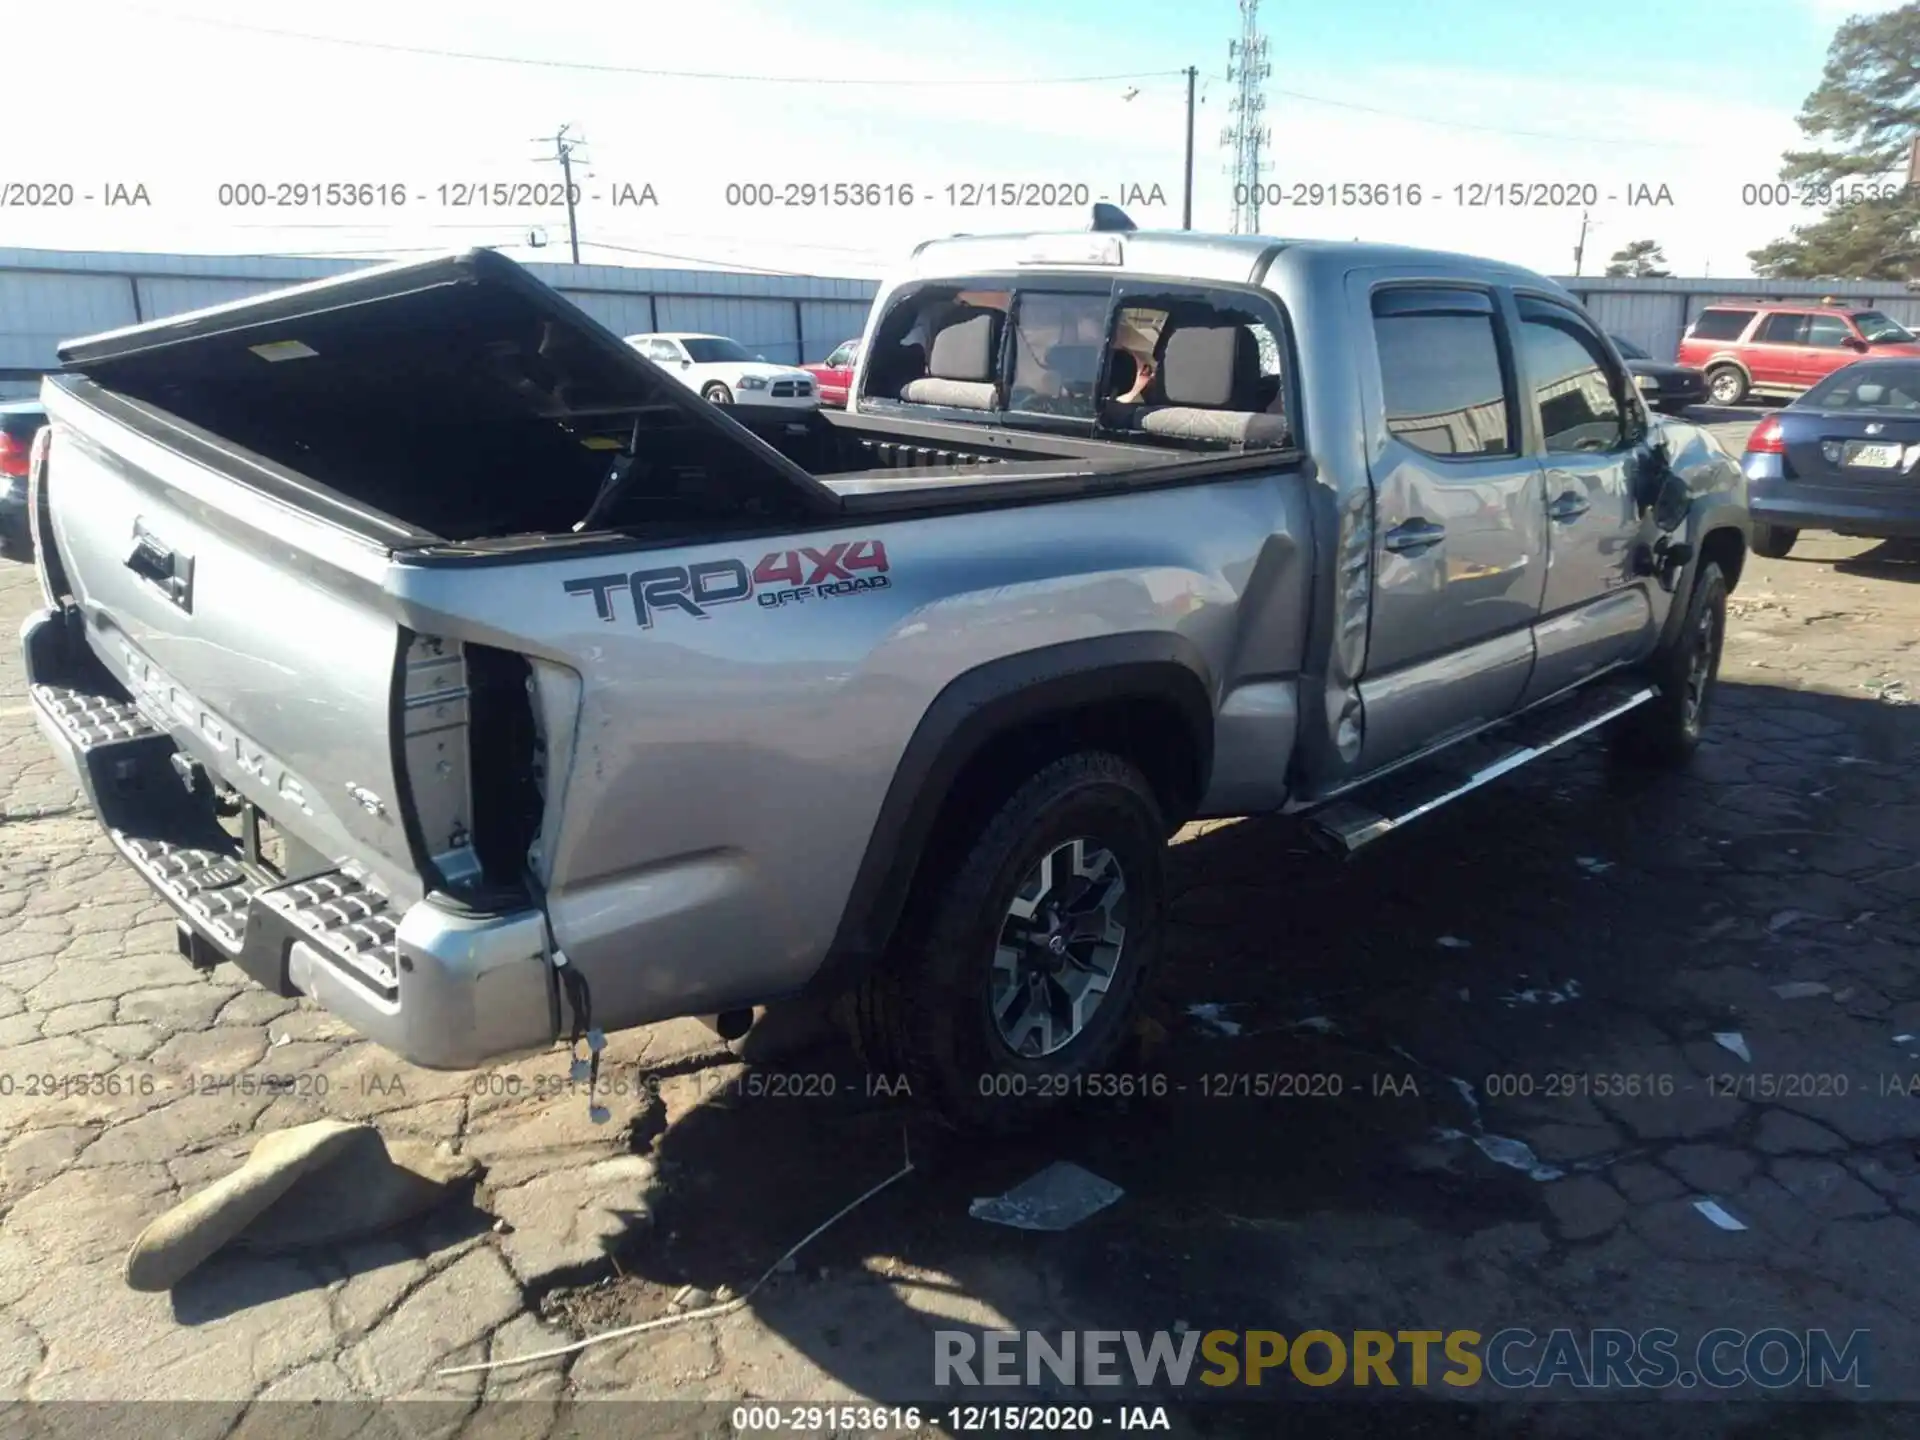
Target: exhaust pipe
{"type": "Point", "coordinates": [729, 1025]}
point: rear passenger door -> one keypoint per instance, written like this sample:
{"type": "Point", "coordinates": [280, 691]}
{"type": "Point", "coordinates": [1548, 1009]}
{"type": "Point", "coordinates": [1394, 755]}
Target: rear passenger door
{"type": "Point", "coordinates": [1592, 439]}
{"type": "Point", "coordinates": [1459, 515]}
{"type": "Point", "coordinates": [1773, 356]}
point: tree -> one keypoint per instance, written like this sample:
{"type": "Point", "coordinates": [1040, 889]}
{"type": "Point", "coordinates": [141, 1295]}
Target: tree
{"type": "Point", "coordinates": [1642, 259]}
{"type": "Point", "coordinates": [1862, 119]}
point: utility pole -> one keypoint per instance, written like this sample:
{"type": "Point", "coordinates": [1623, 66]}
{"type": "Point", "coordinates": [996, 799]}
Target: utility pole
{"type": "Point", "coordinates": [1186, 205]}
{"type": "Point", "coordinates": [564, 146]}
{"type": "Point", "coordinates": [1580, 246]}
{"type": "Point", "coordinates": [1247, 136]}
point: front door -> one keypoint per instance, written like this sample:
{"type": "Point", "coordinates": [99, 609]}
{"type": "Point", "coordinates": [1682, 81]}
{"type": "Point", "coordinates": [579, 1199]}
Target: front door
{"type": "Point", "coordinates": [1459, 517]}
{"type": "Point", "coordinates": [1826, 348]}
{"type": "Point", "coordinates": [1591, 434]}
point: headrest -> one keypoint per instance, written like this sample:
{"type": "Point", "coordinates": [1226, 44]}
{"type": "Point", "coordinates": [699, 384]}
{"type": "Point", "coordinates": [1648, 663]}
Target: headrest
{"type": "Point", "coordinates": [964, 349]}
{"type": "Point", "coordinates": [1208, 365]}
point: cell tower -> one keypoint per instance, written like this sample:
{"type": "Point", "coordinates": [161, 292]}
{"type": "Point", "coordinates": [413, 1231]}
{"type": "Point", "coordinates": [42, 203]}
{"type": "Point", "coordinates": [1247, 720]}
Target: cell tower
{"type": "Point", "coordinates": [1248, 136]}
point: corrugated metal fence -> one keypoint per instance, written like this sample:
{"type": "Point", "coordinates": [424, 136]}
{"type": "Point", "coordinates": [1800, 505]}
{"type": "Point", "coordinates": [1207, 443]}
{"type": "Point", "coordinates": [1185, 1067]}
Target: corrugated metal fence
{"type": "Point", "coordinates": [47, 296]}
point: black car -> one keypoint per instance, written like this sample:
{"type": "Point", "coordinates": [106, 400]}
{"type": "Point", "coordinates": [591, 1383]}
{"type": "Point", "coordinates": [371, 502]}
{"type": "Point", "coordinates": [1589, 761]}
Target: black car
{"type": "Point", "coordinates": [1845, 456]}
{"type": "Point", "coordinates": [20, 421]}
{"type": "Point", "coordinates": [1668, 388]}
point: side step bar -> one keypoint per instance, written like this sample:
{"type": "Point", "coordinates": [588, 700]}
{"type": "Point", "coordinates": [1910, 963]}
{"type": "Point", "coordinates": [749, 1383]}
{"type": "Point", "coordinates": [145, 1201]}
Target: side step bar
{"type": "Point", "coordinates": [1418, 788]}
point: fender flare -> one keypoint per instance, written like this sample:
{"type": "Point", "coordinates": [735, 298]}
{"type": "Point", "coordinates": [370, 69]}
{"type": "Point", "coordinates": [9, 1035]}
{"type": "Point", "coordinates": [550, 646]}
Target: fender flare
{"type": "Point", "coordinates": [974, 709]}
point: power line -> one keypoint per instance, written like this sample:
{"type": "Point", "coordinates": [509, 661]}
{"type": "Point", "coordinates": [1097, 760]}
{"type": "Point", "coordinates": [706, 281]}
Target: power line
{"type": "Point", "coordinates": [1587, 139]}
{"type": "Point", "coordinates": [699, 260]}
{"type": "Point", "coordinates": [437, 52]}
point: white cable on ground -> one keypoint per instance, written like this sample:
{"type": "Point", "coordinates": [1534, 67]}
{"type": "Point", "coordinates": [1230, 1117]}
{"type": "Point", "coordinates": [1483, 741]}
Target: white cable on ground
{"type": "Point", "coordinates": [704, 1312]}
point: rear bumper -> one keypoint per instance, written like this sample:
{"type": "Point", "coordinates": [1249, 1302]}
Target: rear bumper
{"type": "Point", "coordinates": [1872, 513]}
{"type": "Point", "coordinates": [438, 986]}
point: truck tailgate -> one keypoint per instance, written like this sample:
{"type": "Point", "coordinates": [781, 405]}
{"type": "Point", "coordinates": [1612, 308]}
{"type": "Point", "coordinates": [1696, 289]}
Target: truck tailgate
{"type": "Point", "coordinates": [255, 635]}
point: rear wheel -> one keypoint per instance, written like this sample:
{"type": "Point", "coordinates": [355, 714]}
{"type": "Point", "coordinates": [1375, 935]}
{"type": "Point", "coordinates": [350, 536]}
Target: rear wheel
{"type": "Point", "coordinates": [1666, 730]}
{"type": "Point", "coordinates": [1019, 970]}
{"type": "Point", "coordinates": [717, 394]}
{"type": "Point", "coordinates": [1772, 541]}
{"type": "Point", "coordinates": [1726, 384]}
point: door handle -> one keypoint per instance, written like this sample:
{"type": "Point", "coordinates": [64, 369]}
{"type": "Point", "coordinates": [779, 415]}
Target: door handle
{"type": "Point", "coordinates": [166, 570]}
{"type": "Point", "coordinates": [1569, 506]}
{"type": "Point", "coordinates": [1414, 535]}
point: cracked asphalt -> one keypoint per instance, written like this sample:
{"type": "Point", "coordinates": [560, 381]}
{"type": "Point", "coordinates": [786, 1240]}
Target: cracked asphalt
{"type": "Point", "coordinates": [1504, 1023]}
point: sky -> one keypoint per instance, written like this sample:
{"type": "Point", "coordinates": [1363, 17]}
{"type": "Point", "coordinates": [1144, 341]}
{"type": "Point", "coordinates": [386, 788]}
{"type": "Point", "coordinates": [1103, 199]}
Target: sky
{"type": "Point", "coordinates": [206, 113]}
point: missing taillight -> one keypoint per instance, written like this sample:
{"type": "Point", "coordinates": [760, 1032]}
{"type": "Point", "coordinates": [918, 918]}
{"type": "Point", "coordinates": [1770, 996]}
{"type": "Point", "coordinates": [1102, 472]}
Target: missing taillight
{"type": "Point", "coordinates": [505, 754]}
{"type": "Point", "coordinates": [15, 453]}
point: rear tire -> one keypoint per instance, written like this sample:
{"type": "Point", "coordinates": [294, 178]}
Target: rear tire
{"type": "Point", "coordinates": [1726, 385]}
{"type": "Point", "coordinates": [717, 394]}
{"type": "Point", "coordinates": [995, 1016]}
{"type": "Point", "coordinates": [1664, 732]}
{"type": "Point", "coordinates": [1772, 541]}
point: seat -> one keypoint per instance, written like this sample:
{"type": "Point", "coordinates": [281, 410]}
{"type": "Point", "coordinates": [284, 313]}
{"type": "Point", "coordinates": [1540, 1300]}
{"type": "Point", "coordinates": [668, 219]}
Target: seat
{"type": "Point", "coordinates": [1211, 382]}
{"type": "Point", "coordinates": [960, 363]}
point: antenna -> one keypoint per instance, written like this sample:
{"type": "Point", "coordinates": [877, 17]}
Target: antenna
{"type": "Point", "coordinates": [1248, 136]}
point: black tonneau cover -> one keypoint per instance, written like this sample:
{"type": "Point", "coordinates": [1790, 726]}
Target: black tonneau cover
{"type": "Point", "coordinates": [474, 322]}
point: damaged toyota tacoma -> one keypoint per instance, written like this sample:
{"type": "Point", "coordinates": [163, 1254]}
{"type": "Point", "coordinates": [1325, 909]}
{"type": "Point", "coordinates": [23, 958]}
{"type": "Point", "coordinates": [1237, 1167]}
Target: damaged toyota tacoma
{"type": "Point", "coordinates": [439, 658]}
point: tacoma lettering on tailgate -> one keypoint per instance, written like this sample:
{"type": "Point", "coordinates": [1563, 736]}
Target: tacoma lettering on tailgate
{"type": "Point", "coordinates": [172, 708]}
{"type": "Point", "coordinates": [783, 577]}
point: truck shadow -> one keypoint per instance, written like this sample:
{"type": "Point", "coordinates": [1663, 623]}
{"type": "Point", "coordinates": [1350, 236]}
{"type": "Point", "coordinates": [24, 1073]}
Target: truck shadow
{"type": "Point", "coordinates": [1889, 560]}
{"type": "Point", "coordinates": [1315, 1064]}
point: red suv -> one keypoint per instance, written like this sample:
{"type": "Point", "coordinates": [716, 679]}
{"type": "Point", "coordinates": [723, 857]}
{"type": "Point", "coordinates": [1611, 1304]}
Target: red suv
{"type": "Point", "coordinates": [1750, 350]}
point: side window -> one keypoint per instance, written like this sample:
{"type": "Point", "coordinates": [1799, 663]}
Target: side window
{"type": "Point", "coordinates": [1203, 369]}
{"type": "Point", "coordinates": [1441, 377]}
{"type": "Point", "coordinates": [1783, 328]}
{"type": "Point", "coordinates": [840, 358]}
{"type": "Point", "coordinates": [939, 344]}
{"type": "Point", "coordinates": [1057, 340]}
{"type": "Point", "coordinates": [1720, 325]}
{"type": "Point", "coordinates": [665, 351]}
{"type": "Point", "coordinates": [1575, 390]}
{"type": "Point", "coordinates": [1829, 331]}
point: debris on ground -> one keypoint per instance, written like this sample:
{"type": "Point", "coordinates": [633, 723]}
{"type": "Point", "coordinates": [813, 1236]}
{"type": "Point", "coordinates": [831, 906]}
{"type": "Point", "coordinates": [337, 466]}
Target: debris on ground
{"type": "Point", "coordinates": [1057, 1198]}
{"type": "Point", "coordinates": [1319, 1024]}
{"type": "Point", "coordinates": [1801, 989]}
{"type": "Point", "coordinates": [689, 1297]}
{"type": "Point", "coordinates": [1504, 1150]}
{"type": "Point", "coordinates": [1592, 865]}
{"type": "Point", "coordinates": [1214, 1018]}
{"type": "Point", "coordinates": [711, 1311]}
{"type": "Point", "coordinates": [315, 1184]}
{"type": "Point", "coordinates": [1550, 995]}
{"type": "Point", "coordinates": [1733, 1041]}
{"type": "Point", "coordinates": [1714, 1212]}
{"type": "Point", "coordinates": [1453, 942]}
{"type": "Point", "coordinates": [1781, 919]}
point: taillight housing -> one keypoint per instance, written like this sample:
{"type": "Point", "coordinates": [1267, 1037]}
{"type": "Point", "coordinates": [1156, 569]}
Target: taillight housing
{"type": "Point", "coordinates": [14, 454]}
{"type": "Point", "coordinates": [1767, 438]}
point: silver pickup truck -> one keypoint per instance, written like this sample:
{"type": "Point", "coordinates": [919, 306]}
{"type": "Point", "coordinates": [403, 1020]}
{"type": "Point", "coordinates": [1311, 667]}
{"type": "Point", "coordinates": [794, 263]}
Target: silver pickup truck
{"type": "Point", "coordinates": [439, 658]}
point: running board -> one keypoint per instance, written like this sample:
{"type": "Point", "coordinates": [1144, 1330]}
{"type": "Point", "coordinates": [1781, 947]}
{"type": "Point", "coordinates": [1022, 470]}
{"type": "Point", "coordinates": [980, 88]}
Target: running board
{"type": "Point", "coordinates": [1403, 795]}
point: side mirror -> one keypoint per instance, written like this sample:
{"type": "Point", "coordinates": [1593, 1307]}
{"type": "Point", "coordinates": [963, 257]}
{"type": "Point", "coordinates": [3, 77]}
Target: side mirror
{"type": "Point", "coordinates": [686, 364]}
{"type": "Point", "coordinates": [1854, 342]}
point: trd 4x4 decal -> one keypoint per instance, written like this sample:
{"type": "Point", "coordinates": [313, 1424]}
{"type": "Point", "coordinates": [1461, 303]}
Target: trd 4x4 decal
{"type": "Point", "coordinates": [783, 577]}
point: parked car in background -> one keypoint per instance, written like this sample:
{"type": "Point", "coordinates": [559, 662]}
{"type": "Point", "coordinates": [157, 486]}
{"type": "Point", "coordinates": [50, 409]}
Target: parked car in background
{"type": "Point", "coordinates": [1781, 350]}
{"type": "Point", "coordinates": [834, 375]}
{"type": "Point", "coordinates": [1845, 457]}
{"type": "Point", "coordinates": [1667, 388]}
{"type": "Point", "coordinates": [20, 421]}
{"type": "Point", "coordinates": [724, 371]}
